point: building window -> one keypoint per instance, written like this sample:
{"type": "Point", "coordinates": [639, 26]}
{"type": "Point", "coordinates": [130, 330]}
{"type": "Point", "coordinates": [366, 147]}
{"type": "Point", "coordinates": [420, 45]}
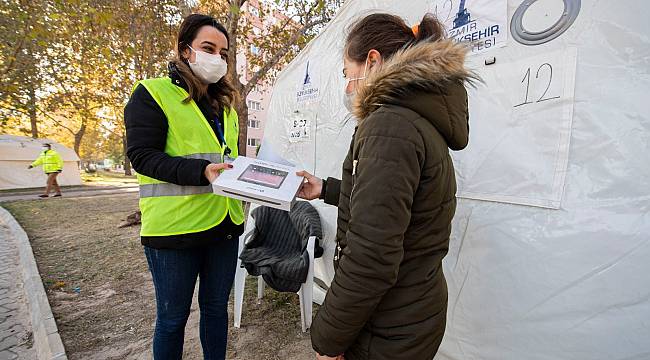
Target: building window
{"type": "Point", "coordinates": [254, 142]}
{"type": "Point", "coordinates": [254, 124]}
{"type": "Point", "coordinates": [254, 105]}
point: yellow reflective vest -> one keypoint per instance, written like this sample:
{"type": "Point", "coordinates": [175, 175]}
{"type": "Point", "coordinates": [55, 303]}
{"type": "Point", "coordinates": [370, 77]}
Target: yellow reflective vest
{"type": "Point", "coordinates": [51, 161]}
{"type": "Point", "coordinates": [170, 209]}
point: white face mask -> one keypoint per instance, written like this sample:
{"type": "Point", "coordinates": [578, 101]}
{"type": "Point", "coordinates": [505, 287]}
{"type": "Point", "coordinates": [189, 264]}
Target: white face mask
{"type": "Point", "coordinates": [348, 99]}
{"type": "Point", "coordinates": [209, 68]}
{"type": "Point", "coordinates": [45, 148]}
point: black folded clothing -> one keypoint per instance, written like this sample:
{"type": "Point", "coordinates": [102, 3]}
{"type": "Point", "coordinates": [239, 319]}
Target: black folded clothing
{"type": "Point", "coordinates": [278, 248]}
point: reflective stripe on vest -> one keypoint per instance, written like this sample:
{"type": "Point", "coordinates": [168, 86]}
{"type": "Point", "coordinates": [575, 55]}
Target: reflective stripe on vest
{"type": "Point", "coordinates": [167, 189]}
{"type": "Point", "coordinates": [211, 157]}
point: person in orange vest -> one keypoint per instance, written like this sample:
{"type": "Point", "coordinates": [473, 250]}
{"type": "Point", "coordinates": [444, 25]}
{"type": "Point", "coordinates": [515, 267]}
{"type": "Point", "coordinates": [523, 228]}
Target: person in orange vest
{"type": "Point", "coordinates": [52, 165]}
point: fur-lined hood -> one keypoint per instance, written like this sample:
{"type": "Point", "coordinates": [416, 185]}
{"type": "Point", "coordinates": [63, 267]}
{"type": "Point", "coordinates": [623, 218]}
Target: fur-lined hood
{"type": "Point", "coordinates": [429, 79]}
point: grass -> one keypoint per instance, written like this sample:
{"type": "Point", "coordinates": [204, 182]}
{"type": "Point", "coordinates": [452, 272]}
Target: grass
{"type": "Point", "coordinates": [100, 289]}
{"type": "Point", "coordinates": [107, 178]}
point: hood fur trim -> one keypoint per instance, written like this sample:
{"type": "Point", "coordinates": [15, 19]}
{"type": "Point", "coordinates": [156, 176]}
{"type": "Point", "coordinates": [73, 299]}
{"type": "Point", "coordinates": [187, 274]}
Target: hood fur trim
{"type": "Point", "coordinates": [424, 67]}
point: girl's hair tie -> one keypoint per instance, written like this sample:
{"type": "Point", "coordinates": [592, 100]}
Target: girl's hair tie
{"type": "Point", "coordinates": [416, 29]}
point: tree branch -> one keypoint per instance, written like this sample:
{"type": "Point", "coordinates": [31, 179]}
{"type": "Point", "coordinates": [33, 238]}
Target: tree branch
{"type": "Point", "coordinates": [8, 67]}
{"type": "Point", "coordinates": [20, 111]}
{"type": "Point", "coordinates": [275, 59]}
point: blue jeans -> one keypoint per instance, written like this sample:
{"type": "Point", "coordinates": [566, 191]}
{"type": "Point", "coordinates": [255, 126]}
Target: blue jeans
{"type": "Point", "coordinates": [174, 275]}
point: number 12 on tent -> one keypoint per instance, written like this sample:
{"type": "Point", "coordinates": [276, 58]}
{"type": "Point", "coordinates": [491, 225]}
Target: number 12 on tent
{"type": "Point", "coordinates": [544, 78]}
{"type": "Point", "coordinates": [546, 72]}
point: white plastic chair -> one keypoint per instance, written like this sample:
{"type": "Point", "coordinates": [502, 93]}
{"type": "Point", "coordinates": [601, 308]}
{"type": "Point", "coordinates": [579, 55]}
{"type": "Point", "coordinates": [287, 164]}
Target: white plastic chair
{"type": "Point", "coordinates": [305, 293]}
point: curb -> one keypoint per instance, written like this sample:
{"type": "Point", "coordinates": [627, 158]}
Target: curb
{"type": "Point", "coordinates": [47, 342]}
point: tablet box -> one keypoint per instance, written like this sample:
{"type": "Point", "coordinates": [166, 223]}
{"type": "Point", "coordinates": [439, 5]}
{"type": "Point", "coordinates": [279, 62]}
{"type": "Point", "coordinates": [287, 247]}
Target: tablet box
{"type": "Point", "coordinates": [261, 182]}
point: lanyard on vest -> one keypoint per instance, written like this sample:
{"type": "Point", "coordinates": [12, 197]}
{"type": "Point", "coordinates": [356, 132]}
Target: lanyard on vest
{"type": "Point", "coordinates": [221, 136]}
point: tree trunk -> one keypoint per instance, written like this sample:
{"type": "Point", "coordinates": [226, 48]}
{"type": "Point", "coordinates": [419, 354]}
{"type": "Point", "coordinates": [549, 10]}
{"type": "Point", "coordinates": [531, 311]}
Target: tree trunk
{"type": "Point", "coordinates": [242, 112]}
{"type": "Point", "coordinates": [127, 162]}
{"type": "Point", "coordinates": [32, 111]}
{"type": "Point", "coordinates": [78, 136]}
{"type": "Point", "coordinates": [242, 108]}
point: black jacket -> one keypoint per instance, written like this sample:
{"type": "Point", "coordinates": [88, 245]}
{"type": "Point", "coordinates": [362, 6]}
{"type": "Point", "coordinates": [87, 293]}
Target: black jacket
{"type": "Point", "coordinates": [146, 134]}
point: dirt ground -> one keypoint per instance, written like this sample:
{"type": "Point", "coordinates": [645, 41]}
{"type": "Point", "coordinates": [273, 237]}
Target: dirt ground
{"type": "Point", "coordinates": [102, 296]}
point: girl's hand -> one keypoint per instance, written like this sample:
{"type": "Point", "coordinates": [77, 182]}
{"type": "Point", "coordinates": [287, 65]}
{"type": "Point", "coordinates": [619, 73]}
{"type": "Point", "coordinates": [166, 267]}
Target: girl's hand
{"type": "Point", "coordinates": [312, 188]}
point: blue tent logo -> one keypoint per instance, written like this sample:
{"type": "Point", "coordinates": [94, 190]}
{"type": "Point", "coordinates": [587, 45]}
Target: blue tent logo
{"type": "Point", "coordinates": [307, 80]}
{"type": "Point", "coordinates": [463, 17]}
{"type": "Point", "coordinates": [308, 91]}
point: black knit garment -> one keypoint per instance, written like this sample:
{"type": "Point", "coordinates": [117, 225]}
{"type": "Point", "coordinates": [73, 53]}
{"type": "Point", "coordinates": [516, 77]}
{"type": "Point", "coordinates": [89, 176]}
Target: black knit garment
{"type": "Point", "coordinates": [278, 248]}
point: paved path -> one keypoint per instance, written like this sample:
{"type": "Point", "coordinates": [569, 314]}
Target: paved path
{"type": "Point", "coordinates": [15, 325]}
{"type": "Point", "coordinates": [72, 193]}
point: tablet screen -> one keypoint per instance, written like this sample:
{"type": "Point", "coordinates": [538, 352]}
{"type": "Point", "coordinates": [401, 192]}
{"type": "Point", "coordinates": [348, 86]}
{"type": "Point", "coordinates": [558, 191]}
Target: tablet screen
{"type": "Point", "coordinates": [264, 176]}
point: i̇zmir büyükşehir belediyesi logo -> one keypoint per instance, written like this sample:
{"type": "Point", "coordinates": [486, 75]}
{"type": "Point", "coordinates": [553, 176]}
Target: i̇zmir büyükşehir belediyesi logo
{"type": "Point", "coordinates": [468, 27]}
{"type": "Point", "coordinates": [307, 90]}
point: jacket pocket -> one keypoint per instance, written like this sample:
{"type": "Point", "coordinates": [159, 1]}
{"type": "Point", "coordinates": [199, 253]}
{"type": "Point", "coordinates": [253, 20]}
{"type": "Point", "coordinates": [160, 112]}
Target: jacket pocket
{"type": "Point", "coordinates": [416, 341]}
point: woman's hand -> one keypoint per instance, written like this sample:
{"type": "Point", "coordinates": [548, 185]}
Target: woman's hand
{"type": "Point", "coordinates": [312, 188]}
{"type": "Point", "coordinates": [212, 171]}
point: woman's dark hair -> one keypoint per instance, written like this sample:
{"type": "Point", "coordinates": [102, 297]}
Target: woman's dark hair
{"type": "Point", "coordinates": [223, 93]}
{"type": "Point", "coordinates": [388, 34]}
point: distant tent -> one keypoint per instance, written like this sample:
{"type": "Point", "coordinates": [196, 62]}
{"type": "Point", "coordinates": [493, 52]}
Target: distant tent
{"type": "Point", "coordinates": [17, 152]}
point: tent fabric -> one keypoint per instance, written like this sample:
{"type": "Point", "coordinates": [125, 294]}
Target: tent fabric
{"type": "Point", "coordinates": [549, 247]}
{"type": "Point", "coordinates": [18, 152]}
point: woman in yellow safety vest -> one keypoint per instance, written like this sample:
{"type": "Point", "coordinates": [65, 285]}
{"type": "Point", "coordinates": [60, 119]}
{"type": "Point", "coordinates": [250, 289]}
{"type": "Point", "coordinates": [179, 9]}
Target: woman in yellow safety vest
{"type": "Point", "coordinates": [182, 131]}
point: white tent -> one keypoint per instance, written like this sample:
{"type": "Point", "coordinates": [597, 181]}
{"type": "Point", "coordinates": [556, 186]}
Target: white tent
{"type": "Point", "coordinates": [551, 240]}
{"type": "Point", "coordinates": [17, 152]}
